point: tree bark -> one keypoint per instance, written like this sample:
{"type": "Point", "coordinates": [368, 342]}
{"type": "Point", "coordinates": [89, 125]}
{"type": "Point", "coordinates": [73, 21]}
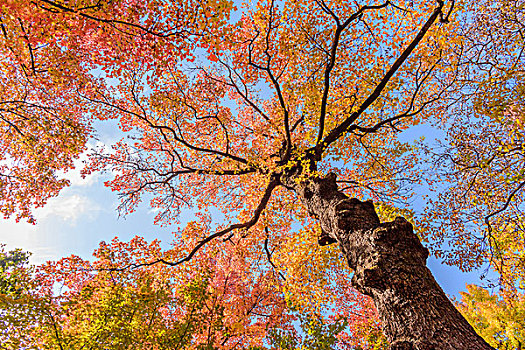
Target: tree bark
{"type": "Point", "coordinates": [389, 264]}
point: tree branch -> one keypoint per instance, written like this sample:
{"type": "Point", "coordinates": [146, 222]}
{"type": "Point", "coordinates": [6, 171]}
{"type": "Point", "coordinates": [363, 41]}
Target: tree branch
{"type": "Point", "coordinates": [274, 182]}
{"type": "Point", "coordinates": [112, 22]}
{"type": "Point", "coordinates": [333, 52]}
{"type": "Point", "coordinates": [344, 126]}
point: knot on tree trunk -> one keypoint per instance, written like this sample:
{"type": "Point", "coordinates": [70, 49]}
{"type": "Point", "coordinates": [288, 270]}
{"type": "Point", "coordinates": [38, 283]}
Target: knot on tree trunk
{"type": "Point", "coordinates": [399, 235]}
{"type": "Point", "coordinates": [391, 252]}
{"type": "Point", "coordinates": [356, 215]}
{"type": "Point", "coordinates": [350, 215]}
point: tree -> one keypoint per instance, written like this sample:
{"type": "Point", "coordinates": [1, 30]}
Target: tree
{"type": "Point", "coordinates": [282, 113]}
{"type": "Point", "coordinates": [77, 304]}
{"type": "Point", "coordinates": [12, 283]}
{"type": "Point", "coordinates": [498, 317]}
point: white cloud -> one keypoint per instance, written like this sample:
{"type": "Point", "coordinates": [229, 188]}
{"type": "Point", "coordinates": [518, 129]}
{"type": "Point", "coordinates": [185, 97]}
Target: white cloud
{"type": "Point", "coordinates": [51, 238]}
{"type": "Point", "coordinates": [29, 238]}
{"type": "Point", "coordinates": [69, 208]}
{"type": "Point", "coordinates": [154, 210]}
{"type": "Point", "coordinates": [77, 180]}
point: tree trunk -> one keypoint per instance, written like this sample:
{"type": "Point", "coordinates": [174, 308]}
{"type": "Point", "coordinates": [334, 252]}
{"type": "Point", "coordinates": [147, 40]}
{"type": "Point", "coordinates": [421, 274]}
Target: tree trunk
{"type": "Point", "coordinates": [389, 264]}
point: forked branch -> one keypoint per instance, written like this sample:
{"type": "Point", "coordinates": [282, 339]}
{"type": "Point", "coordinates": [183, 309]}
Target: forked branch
{"type": "Point", "coordinates": [344, 126]}
{"type": "Point", "coordinates": [333, 55]}
{"type": "Point", "coordinates": [274, 182]}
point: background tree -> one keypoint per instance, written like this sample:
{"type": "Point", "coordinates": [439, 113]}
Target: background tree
{"type": "Point", "coordinates": [499, 318]}
{"type": "Point", "coordinates": [223, 302]}
{"type": "Point", "coordinates": [14, 282]}
{"type": "Point", "coordinates": [281, 113]}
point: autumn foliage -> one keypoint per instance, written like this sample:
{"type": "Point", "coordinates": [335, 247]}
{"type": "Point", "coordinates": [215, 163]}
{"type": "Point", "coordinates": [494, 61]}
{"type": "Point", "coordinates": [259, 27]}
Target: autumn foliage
{"type": "Point", "coordinates": [227, 106]}
{"type": "Point", "coordinates": [226, 301]}
{"type": "Point", "coordinates": [498, 317]}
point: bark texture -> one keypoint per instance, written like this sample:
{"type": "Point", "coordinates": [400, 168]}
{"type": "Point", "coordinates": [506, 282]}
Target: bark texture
{"type": "Point", "coordinates": [389, 264]}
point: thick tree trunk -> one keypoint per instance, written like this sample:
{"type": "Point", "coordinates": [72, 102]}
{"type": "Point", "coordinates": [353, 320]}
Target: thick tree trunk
{"type": "Point", "coordinates": [390, 266]}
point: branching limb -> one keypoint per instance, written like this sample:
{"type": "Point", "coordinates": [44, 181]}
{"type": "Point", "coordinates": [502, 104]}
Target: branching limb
{"type": "Point", "coordinates": [269, 256]}
{"type": "Point", "coordinates": [344, 126]}
{"type": "Point", "coordinates": [178, 136]}
{"type": "Point", "coordinates": [287, 148]}
{"type": "Point", "coordinates": [333, 55]}
{"type": "Point", "coordinates": [409, 111]}
{"type": "Point", "coordinates": [163, 129]}
{"type": "Point", "coordinates": [56, 7]}
{"type": "Point", "coordinates": [503, 208]}
{"type": "Point", "coordinates": [274, 182]}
